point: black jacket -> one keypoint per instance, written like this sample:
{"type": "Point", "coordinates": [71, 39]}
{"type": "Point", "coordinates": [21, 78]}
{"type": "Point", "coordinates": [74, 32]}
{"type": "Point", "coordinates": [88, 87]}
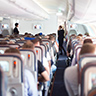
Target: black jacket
{"type": "Point", "coordinates": [60, 34]}
{"type": "Point", "coordinates": [15, 31]}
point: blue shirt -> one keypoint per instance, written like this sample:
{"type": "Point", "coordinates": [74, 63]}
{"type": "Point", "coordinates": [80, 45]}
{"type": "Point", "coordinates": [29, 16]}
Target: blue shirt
{"type": "Point", "coordinates": [30, 85]}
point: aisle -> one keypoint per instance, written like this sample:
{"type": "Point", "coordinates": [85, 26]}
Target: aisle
{"type": "Point", "coordinates": [58, 86]}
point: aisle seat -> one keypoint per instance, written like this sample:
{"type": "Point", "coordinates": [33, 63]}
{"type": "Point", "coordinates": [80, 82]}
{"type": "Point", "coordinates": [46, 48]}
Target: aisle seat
{"type": "Point", "coordinates": [39, 53]}
{"type": "Point", "coordinates": [88, 79]}
{"type": "Point", "coordinates": [3, 83]}
{"type": "Point", "coordinates": [17, 46]}
{"type": "Point", "coordinates": [3, 48]}
{"type": "Point", "coordinates": [43, 46]}
{"type": "Point", "coordinates": [30, 61]}
{"type": "Point", "coordinates": [13, 67]}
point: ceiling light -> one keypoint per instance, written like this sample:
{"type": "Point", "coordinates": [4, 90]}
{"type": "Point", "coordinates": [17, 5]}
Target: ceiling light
{"type": "Point", "coordinates": [59, 14]}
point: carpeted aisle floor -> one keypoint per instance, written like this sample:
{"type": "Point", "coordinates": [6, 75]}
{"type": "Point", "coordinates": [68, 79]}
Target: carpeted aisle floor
{"type": "Point", "coordinates": [59, 87]}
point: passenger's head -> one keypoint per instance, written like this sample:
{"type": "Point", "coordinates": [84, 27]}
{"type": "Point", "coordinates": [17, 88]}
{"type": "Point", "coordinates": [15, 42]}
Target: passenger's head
{"type": "Point", "coordinates": [1, 36]}
{"type": "Point", "coordinates": [52, 38]}
{"type": "Point", "coordinates": [28, 44]}
{"type": "Point", "coordinates": [3, 43]}
{"type": "Point", "coordinates": [87, 48]}
{"type": "Point", "coordinates": [87, 41]}
{"type": "Point", "coordinates": [26, 33]}
{"type": "Point", "coordinates": [80, 35]}
{"type": "Point", "coordinates": [12, 50]}
{"type": "Point", "coordinates": [16, 24]}
{"type": "Point", "coordinates": [37, 41]}
{"type": "Point", "coordinates": [87, 34]}
{"type": "Point", "coordinates": [60, 26]}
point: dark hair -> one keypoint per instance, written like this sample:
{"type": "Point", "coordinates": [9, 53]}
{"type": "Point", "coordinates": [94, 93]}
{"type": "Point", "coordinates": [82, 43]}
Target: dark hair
{"type": "Point", "coordinates": [60, 26]}
{"type": "Point", "coordinates": [87, 34]}
{"type": "Point", "coordinates": [28, 44]}
{"type": "Point", "coordinates": [3, 42]}
{"type": "Point", "coordinates": [87, 41]}
{"type": "Point", "coordinates": [12, 50]}
{"type": "Point", "coordinates": [80, 35]}
{"type": "Point", "coordinates": [37, 40]}
{"type": "Point", "coordinates": [16, 24]}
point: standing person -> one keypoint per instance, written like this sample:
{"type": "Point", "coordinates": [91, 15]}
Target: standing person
{"type": "Point", "coordinates": [15, 31]}
{"type": "Point", "coordinates": [60, 39]}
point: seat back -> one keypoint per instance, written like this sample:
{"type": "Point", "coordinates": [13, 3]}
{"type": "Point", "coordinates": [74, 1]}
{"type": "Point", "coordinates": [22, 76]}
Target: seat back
{"type": "Point", "coordinates": [13, 40]}
{"type": "Point", "coordinates": [43, 46]}
{"type": "Point", "coordinates": [14, 45]}
{"type": "Point", "coordinates": [3, 83]}
{"type": "Point", "coordinates": [77, 50]}
{"type": "Point", "coordinates": [85, 59]}
{"type": "Point", "coordinates": [13, 67]}
{"type": "Point", "coordinates": [88, 79]}
{"type": "Point", "coordinates": [39, 53]}
{"type": "Point", "coordinates": [5, 32]}
{"type": "Point", "coordinates": [3, 48]}
{"type": "Point", "coordinates": [30, 61]}
{"type": "Point", "coordinates": [47, 42]}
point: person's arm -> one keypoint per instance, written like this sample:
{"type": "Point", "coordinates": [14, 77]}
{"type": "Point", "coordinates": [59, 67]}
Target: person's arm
{"type": "Point", "coordinates": [44, 74]}
{"type": "Point", "coordinates": [44, 77]}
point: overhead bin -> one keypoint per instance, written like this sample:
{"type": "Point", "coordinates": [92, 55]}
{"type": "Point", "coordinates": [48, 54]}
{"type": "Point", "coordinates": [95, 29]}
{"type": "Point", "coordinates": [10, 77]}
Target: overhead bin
{"type": "Point", "coordinates": [83, 10]}
{"type": "Point", "coordinates": [23, 9]}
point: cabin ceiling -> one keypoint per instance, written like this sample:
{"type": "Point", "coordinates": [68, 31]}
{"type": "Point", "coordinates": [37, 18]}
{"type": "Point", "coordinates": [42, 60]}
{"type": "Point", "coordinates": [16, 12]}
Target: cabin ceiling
{"type": "Point", "coordinates": [79, 11]}
{"type": "Point", "coordinates": [33, 9]}
{"type": "Point", "coordinates": [54, 7]}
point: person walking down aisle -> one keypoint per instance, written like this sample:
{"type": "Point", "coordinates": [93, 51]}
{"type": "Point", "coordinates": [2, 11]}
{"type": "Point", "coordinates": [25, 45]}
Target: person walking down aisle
{"type": "Point", "coordinates": [60, 39]}
{"type": "Point", "coordinates": [15, 31]}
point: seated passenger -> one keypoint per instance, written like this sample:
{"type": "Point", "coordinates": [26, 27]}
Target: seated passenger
{"type": "Point", "coordinates": [46, 63]}
{"type": "Point", "coordinates": [71, 73]}
{"type": "Point", "coordinates": [30, 89]}
{"type": "Point", "coordinates": [41, 70]}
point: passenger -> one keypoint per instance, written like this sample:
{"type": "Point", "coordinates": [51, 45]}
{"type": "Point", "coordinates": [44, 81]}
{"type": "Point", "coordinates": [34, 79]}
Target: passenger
{"type": "Point", "coordinates": [87, 34]}
{"type": "Point", "coordinates": [88, 41]}
{"type": "Point", "coordinates": [15, 31]}
{"type": "Point", "coordinates": [80, 35]}
{"type": "Point", "coordinates": [30, 89]}
{"type": "Point", "coordinates": [47, 65]}
{"type": "Point", "coordinates": [3, 42]}
{"type": "Point", "coordinates": [60, 39]}
{"type": "Point", "coordinates": [71, 73]}
{"type": "Point", "coordinates": [41, 70]}
{"type": "Point", "coordinates": [55, 49]}
{"type": "Point", "coordinates": [69, 47]}
{"type": "Point", "coordinates": [1, 36]}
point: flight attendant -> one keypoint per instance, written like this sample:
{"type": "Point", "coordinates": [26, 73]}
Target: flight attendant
{"type": "Point", "coordinates": [15, 31]}
{"type": "Point", "coordinates": [60, 39]}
